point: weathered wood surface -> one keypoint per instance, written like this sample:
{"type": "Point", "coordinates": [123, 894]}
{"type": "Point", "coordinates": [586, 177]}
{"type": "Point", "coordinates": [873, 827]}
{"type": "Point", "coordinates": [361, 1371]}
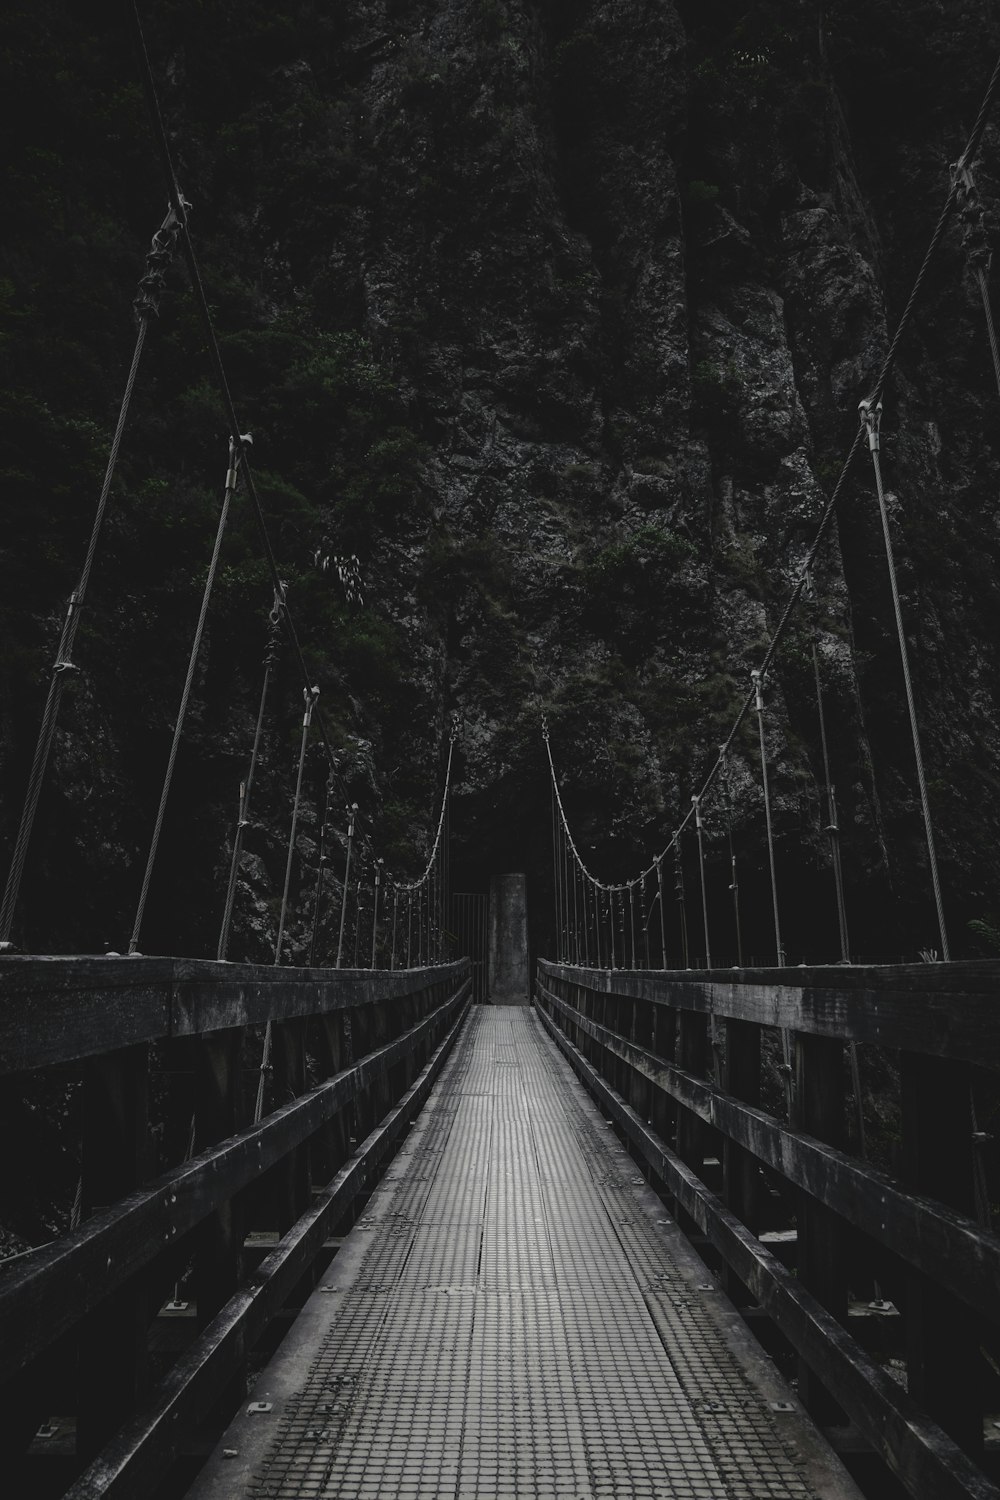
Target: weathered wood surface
{"type": "Point", "coordinates": [44, 1294]}
{"type": "Point", "coordinates": [132, 1464]}
{"type": "Point", "coordinates": [946, 1245]}
{"type": "Point", "coordinates": [942, 1010]}
{"type": "Point", "coordinates": [930, 1465]}
{"type": "Point", "coordinates": [57, 1010]}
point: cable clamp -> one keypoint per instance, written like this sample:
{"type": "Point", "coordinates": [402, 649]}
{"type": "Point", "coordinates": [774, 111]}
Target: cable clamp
{"type": "Point", "coordinates": [64, 666]}
{"type": "Point", "coordinates": [696, 804]}
{"type": "Point", "coordinates": [757, 678]}
{"type": "Point", "coordinates": [871, 421]}
{"type": "Point", "coordinates": [964, 183]}
{"type": "Point", "coordinates": [309, 696]}
{"type": "Point", "coordinates": [976, 239]}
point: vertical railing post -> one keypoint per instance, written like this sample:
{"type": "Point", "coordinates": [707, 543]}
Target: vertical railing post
{"type": "Point", "coordinates": [943, 1359]}
{"type": "Point", "coordinates": [820, 1107]}
{"type": "Point", "coordinates": [112, 1340]}
{"type": "Point", "coordinates": [218, 1113]}
{"type": "Point", "coordinates": [741, 1174]}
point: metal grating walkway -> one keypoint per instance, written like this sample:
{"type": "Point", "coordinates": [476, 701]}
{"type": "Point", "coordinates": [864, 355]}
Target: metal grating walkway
{"type": "Point", "coordinates": [514, 1316]}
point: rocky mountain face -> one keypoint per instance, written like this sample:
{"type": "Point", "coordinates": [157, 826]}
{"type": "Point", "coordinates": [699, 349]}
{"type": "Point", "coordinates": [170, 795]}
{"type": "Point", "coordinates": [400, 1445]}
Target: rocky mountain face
{"type": "Point", "coordinates": [556, 316]}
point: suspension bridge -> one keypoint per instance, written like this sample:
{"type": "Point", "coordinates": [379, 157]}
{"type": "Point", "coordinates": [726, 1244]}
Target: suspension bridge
{"type": "Point", "coordinates": [342, 1227]}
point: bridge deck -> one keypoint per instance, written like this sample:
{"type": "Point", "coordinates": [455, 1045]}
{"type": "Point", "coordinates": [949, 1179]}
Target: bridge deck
{"type": "Point", "coordinates": [514, 1316]}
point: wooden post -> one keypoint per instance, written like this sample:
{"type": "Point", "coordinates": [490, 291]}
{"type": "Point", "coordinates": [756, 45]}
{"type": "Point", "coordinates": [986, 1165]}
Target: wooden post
{"type": "Point", "coordinates": [642, 1035]}
{"type": "Point", "coordinates": [741, 1175]}
{"type": "Point", "coordinates": [821, 1248]}
{"type": "Point", "coordinates": [331, 1149]}
{"type": "Point", "coordinates": [364, 1104]}
{"type": "Point", "coordinates": [218, 1114]}
{"type": "Point", "coordinates": [292, 1174]}
{"type": "Point", "coordinates": [693, 1057]}
{"type": "Point", "coordinates": [112, 1348]}
{"type": "Point", "coordinates": [664, 1044]}
{"type": "Point", "coordinates": [944, 1365]}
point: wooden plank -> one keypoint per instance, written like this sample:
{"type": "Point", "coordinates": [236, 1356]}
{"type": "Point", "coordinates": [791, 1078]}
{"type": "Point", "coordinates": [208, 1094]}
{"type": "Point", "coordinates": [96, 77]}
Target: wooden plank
{"type": "Point", "coordinates": [81, 1007]}
{"type": "Point", "coordinates": [133, 1463]}
{"type": "Point", "coordinates": [46, 1293]}
{"type": "Point", "coordinates": [941, 1010]}
{"type": "Point", "coordinates": [948, 1246]}
{"type": "Point", "coordinates": [929, 1464]}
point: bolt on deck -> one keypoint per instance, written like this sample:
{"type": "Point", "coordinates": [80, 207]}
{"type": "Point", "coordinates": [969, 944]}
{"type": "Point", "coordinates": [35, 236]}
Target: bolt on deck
{"type": "Point", "coordinates": [514, 1315]}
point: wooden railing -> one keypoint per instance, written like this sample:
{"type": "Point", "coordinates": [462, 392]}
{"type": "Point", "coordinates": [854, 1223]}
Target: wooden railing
{"type": "Point", "coordinates": [678, 1061]}
{"type": "Point", "coordinates": [172, 1048]}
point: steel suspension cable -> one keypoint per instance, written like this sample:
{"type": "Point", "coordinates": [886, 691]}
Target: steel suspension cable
{"type": "Point", "coordinates": [321, 864]}
{"type": "Point", "coordinates": [309, 704]}
{"type": "Point", "coordinates": [232, 478]}
{"type": "Point", "coordinates": [832, 829]}
{"type": "Point", "coordinates": [146, 305]}
{"type": "Point", "coordinates": [246, 788]}
{"type": "Point", "coordinates": [870, 418]}
{"type": "Point", "coordinates": [681, 904]}
{"type": "Point", "coordinates": [976, 243]}
{"type": "Point", "coordinates": [180, 207]}
{"type": "Point", "coordinates": [965, 161]}
{"type": "Point", "coordinates": [378, 882]}
{"type": "Point", "coordinates": [631, 918]}
{"type": "Point", "coordinates": [759, 705]}
{"type": "Point", "coordinates": [265, 1058]}
{"type": "Point", "coordinates": [734, 883]}
{"type": "Point", "coordinates": [352, 811]}
{"type": "Point", "coordinates": [663, 915]}
{"type": "Point", "coordinates": [701, 866]}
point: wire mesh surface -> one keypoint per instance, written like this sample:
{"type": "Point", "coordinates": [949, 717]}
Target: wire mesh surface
{"type": "Point", "coordinates": [514, 1316]}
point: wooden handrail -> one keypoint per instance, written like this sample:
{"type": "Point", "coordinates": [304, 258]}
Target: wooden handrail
{"type": "Point", "coordinates": [941, 1010]}
{"type": "Point", "coordinates": [60, 1010]}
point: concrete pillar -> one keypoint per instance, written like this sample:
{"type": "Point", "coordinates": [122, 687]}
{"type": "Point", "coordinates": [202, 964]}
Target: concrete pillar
{"type": "Point", "coordinates": [508, 958]}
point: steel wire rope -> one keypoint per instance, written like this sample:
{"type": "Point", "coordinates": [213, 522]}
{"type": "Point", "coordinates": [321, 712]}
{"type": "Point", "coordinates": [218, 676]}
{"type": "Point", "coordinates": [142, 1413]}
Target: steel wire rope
{"type": "Point", "coordinates": [833, 828]}
{"type": "Point", "coordinates": [663, 915]}
{"type": "Point", "coordinates": [215, 355]}
{"type": "Point", "coordinates": [967, 157]}
{"type": "Point", "coordinates": [146, 305]}
{"type": "Point", "coordinates": [870, 425]}
{"type": "Point", "coordinates": [422, 880]}
{"type": "Point", "coordinates": [976, 243]}
{"type": "Point", "coordinates": [309, 697]}
{"type": "Point", "coordinates": [321, 864]}
{"type": "Point", "coordinates": [246, 789]}
{"type": "Point", "coordinates": [232, 478]}
{"type": "Point", "coordinates": [734, 881]}
{"type": "Point", "coordinates": [699, 830]}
